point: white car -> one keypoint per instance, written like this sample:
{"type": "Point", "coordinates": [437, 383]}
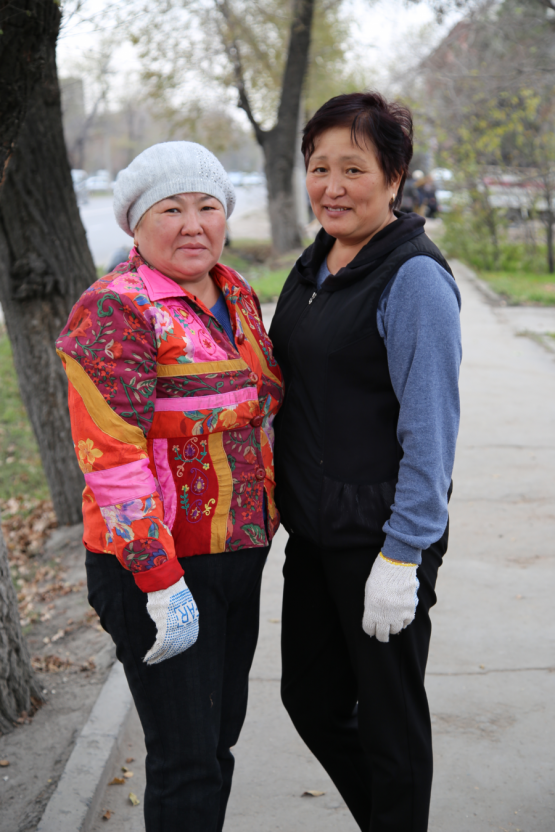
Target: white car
{"type": "Point", "coordinates": [240, 178]}
{"type": "Point", "coordinates": [99, 181]}
{"type": "Point", "coordinates": [79, 178]}
{"type": "Point", "coordinates": [236, 178]}
{"type": "Point", "coordinates": [443, 183]}
{"type": "Point", "coordinates": [254, 179]}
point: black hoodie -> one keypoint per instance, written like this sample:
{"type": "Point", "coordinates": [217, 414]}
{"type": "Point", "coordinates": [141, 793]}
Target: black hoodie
{"type": "Point", "coordinates": [337, 454]}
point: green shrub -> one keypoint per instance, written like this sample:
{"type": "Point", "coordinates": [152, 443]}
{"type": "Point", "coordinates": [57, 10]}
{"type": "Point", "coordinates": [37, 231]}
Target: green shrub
{"type": "Point", "coordinates": [467, 238]}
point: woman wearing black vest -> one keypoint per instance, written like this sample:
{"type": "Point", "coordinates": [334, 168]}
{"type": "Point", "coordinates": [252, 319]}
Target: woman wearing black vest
{"type": "Point", "coordinates": [367, 335]}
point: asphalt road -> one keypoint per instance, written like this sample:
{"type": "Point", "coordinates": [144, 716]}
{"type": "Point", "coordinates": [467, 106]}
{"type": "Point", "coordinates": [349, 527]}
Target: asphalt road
{"type": "Point", "coordinates": [491, 674]}
{"type": "Point", "coordinates": [105, 236]}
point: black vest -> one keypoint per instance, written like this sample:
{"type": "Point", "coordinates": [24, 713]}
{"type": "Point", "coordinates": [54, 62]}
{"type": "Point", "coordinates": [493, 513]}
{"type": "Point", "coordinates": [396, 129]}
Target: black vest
{"type": "Point", "coordinates": [337, 455]}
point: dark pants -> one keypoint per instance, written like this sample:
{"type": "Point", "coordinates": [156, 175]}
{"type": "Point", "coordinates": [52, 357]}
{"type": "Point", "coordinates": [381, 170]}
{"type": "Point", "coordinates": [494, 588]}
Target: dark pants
{"type": "Point", "coordinates": [379, 753]}
{"type": "Point", "coordinates": [192, 707]}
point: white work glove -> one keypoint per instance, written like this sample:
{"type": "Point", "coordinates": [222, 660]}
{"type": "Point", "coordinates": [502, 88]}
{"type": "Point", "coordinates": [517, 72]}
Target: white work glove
{"type": "Point", "coordinates": [175, 614]}
{"type": "Point", "coordinates": [390, 598]}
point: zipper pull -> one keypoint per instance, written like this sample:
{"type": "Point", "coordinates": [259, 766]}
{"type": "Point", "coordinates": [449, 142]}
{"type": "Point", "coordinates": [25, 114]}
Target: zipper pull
{"type": "Point", "coordinates": [312, 298]}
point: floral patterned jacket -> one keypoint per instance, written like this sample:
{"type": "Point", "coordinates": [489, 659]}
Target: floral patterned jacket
{"type": "Point", "coordinates": [171, 422]}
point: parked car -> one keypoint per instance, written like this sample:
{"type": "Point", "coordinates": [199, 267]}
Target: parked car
{"type": "Point", "coordinates": [443, 183]}
{"type": "Point", "coordinates": [241, 178]}
{"type": "Point", "coordinates": [79, 178]}
{"type": "Point", "coordinates": [254, 179]}
{"type": "Point", "coordinates": [519, 191]}
{"type": "Point", "coordinates": [236, 178]}
{"type": "Point", "coordinates": [100, 181]}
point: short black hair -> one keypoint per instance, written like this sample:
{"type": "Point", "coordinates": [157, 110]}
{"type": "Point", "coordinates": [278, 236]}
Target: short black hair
{"type": "Point", "coordinates": [388, 126]}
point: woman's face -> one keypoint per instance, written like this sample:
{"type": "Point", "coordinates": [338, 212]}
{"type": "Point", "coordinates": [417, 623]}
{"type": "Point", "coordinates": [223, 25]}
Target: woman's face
{"type": "Point", "coordinates": [347, 187]}
{"type": "Point", "coordinates": [183, 236]}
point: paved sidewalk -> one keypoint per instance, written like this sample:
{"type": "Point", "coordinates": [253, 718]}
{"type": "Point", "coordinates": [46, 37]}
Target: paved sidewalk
{"type": "Point", "coordinates": [491, 675]}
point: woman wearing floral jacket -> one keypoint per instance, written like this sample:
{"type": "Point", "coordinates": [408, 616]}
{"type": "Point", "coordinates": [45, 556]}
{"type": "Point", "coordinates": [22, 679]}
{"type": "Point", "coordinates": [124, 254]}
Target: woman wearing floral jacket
{"type": "Point", "coordinates": [173, 389]}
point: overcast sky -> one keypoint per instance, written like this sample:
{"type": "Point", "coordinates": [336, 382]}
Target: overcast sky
{"type": "Point", "coordinates": [383, 28]}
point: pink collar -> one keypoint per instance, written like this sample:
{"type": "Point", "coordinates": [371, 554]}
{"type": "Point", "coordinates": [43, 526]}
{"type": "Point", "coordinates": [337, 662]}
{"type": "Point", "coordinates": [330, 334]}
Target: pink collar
{"type": "Point", "coordinates": [157, 285]}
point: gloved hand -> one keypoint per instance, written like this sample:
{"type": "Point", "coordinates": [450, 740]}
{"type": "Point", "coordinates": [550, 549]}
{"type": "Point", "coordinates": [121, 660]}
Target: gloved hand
{"type": "Point", "coordinates": [390, 598]}
{"type": "Point", "coordinates": [176, 615]}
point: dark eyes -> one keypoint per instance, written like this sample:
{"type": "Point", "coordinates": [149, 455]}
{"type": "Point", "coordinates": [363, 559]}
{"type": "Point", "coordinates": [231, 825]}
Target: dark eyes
{"type": "Point", "coordinates": [324, 170]}
{"type": "Point", "coordinates": [175, 210]}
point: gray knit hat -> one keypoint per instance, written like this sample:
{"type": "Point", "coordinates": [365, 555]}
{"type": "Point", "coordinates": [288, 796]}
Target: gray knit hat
{"type": "Point", "coordinates": [166, 169]}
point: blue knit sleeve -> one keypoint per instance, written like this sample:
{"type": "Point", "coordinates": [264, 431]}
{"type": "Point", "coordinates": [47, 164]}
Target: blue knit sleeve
{"type": "Point", "coordinates": [418, 319]}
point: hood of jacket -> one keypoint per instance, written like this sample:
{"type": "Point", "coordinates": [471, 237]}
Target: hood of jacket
{"type": "Point", "coordinates": [406, 227]}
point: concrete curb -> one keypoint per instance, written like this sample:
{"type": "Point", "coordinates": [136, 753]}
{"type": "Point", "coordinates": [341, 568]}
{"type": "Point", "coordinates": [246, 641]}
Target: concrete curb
{"type": "Point", "coordinates": [492, 297]}
{"type": "Point", "coordinates": [73, 806]}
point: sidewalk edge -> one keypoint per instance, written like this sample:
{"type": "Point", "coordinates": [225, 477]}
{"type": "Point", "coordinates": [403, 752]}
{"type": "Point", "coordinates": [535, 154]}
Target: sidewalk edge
{"type": "Point", "coordinates": [492, 297]}
{"type": "Point", "coordinates": [73, 806]}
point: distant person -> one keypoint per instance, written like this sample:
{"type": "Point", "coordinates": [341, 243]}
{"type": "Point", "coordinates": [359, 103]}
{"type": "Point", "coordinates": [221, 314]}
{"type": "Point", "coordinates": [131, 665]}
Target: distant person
{"type": "Point", "coordinates": [367, 334]}
{"type": "Point", "coordinates": [427, 192]}
{"type": "Point", "coordinates": [417, 181]}
{"type": "Point", "coordinates": [410, 198]}
{"type": "Point", "coordinates": [173, 389]}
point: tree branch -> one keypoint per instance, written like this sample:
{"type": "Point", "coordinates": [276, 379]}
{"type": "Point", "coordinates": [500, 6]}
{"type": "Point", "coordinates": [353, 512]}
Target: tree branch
{"type": "Point", "coordinates": [233, 52]}
{"type": "Point", "coordinates": [297, 60]}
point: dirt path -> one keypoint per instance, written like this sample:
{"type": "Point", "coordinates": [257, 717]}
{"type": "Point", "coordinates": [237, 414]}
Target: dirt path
{"type": "Point", "coordinates": [72, 656]}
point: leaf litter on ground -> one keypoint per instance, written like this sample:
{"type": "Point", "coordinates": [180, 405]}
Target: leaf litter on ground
{"type": "Point", "coordinates": [117, 781]}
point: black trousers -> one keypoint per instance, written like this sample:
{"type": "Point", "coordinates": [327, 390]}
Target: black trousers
{"type": "Point", "coordinates": [377, 752]}
{"type": "Point", "coordinates": [192, 707]}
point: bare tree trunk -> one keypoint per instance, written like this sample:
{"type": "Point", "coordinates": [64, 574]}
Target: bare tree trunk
{"type": "Point", "coordinates": [45, 264]}
{"type": "Point", "coordinates": [549, 221]}
{"type": "Point", "coordinates": [279, 164]}
{"type": "Point", "coordinates": [17, 680]}
{"type": "Point", "coordinates": [22, 58]}
{"type": "Point", "coordinates": [549, 235]}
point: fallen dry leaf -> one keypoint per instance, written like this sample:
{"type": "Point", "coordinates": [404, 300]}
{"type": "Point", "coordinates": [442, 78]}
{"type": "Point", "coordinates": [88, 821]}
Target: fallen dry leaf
{"type": "Point", "coordinates": [107, 815]}
{"type": "Point", "coordinates": [312, 793]}
{"type": "Point", "coordinates": [128, 774]}
{"type": "Point", "coordinates": [50, 663]}
{"type": "Point", "coordinates": [133, 799]}
{"type": "Point", "coordinates": [4, 763]}
{"type": "Point", "coordinates": [117, 781]}
{"type": "Point", "coordinates": [130, 760]}
{"type": "Point", "coordinates": [26, 524]}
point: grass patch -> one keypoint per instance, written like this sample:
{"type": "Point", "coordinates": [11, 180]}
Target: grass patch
{"type": "Point", "coordinates": [515, 270]}
{"type": "Point", "coordinates": [20, 464]}
{"type": "Point", "coordinates": [522, 287]}
{"type": "Point", "coordinates": [253, 260]}
{"type": "Point", "coordinates": [268, 284]}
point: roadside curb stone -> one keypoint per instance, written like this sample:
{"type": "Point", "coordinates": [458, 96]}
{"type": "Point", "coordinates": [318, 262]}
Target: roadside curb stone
{"type": "Point", "coordinates": [492, 297]}
{"type": "Point", "coordinates": [73, 805]}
